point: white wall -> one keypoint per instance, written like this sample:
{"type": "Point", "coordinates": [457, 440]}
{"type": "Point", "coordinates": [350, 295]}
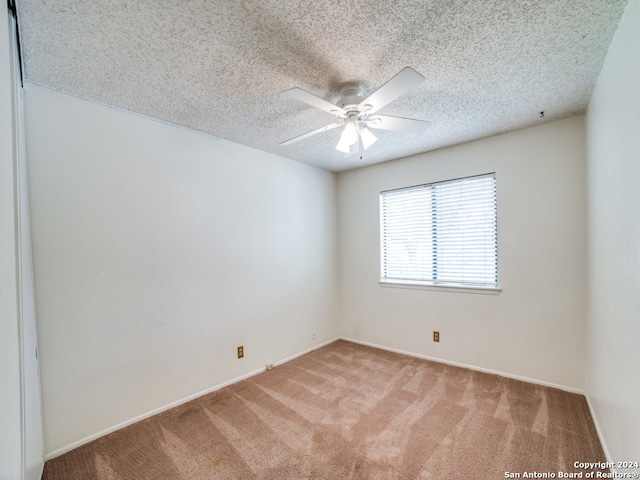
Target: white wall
{"type": "Point", "coordinates": [10, 433]}
{"type": "Point", "coordinates": [157, 251]}
{"type": "Point", "coordinates": [535, 328]}
{"type": "Point", "coordinates": [613, 350]}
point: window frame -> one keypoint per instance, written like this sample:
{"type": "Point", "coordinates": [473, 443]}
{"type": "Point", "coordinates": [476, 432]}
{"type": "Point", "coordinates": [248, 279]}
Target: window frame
{"type": "Point", "coordinates": [435, 284]}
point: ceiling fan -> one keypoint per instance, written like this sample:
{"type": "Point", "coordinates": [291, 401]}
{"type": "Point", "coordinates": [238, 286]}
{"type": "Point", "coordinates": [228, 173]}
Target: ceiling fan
{"type": "Point", "coordinates": [357, 113]}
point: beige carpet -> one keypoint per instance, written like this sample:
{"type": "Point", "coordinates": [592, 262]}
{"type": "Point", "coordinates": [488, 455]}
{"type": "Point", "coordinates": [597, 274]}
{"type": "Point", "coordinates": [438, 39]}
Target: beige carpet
{"type": "Point", "coordinates": [347, 411]}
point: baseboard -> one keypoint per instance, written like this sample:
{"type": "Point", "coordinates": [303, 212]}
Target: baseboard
{"type": "Point", "coordinates": [40, 470]}
{"type": "Point", "coordinates": [106, 431]}
{"type": "Point", "coordinates": [304, 352]}
{"type": "Point", "coordinates": [603, 444]}
{"type": "Point", "coordinates": [470, 367]}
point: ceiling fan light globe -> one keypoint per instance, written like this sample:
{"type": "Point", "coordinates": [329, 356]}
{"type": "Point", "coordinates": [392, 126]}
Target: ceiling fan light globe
{"type": "Point", "coordinates": [348, 138]}
{"type": "Point", "coordinates": [343, 147]}
{"type": "Point", "coordinates": [367, 137]}
{"type": "Point", "coordinates": [350, 134]}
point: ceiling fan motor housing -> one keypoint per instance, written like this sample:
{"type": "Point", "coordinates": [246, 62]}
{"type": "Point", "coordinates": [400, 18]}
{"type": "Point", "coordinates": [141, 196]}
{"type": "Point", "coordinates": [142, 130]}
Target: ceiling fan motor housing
{"type": "Point", "coordinates": [350, 100]}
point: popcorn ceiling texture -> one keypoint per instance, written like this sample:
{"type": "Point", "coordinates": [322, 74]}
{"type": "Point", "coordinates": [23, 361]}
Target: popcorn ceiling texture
{"type": "Point", "coordinates": [220, 66]}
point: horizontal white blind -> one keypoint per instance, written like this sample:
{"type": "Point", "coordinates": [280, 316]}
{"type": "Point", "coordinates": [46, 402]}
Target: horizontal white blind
{"type": "Point", "coordinates": [441, 233]}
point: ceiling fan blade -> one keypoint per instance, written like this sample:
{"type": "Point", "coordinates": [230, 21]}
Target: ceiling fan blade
{"type": "Point", "coordinates": [310, 99]}
{"type": "Point", "coordinates": [404, 81]}
{"type": "Point", "coordinates": [313, 132]}
{"type": "Point", "coordinates": [398, 124]}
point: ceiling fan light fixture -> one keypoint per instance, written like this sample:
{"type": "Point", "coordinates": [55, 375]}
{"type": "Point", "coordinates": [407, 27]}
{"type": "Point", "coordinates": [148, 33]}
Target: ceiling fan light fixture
{"type": "Point", "coordinates": [343, 147]}
{"type": "Point", "coordinates": [367, 137]}
{"type": "Point", "coordinates": [348, 137]}
{"type": "Point", "coordinates": [358, 114]}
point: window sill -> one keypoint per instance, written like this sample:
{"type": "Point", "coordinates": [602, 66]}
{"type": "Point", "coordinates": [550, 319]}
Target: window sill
{"type": "Point", "coordinates": [441, 288]}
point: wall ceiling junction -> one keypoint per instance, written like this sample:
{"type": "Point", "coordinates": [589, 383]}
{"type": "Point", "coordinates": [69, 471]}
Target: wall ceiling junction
{"type": "Point", "coordinates": [220, 67]}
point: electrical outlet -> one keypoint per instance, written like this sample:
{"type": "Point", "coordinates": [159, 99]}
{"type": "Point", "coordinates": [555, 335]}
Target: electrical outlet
{"type": "Point", "coordinates": [436, 336]}
{"type": "Point", "coordinates": [240, 351]}
{"type": "Point", "coordinates": [269, 366]}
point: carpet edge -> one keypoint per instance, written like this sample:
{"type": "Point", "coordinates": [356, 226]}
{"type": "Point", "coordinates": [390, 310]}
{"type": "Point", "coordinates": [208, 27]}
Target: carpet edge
{"type": "Point", "coordinates": [470, 367]}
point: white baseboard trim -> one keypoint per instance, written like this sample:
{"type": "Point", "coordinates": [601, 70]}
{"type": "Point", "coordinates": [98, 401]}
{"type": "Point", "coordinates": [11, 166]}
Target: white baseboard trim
{"type": "Point", "coordinates": [155, 411]}
{"type": "Point", "coordinates": [603, 444]}
{"type": "Point", "coordinates": [470, 367]}
{"type": "Point", "coordinates": [41, 470]}
{"type": "Point", "coordinates": [304, 352]}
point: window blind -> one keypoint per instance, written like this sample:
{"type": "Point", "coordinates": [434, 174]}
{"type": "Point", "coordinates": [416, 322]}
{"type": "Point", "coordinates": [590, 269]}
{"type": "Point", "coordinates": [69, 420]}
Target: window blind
{"type": "Point", "coordinates": [441, 233]}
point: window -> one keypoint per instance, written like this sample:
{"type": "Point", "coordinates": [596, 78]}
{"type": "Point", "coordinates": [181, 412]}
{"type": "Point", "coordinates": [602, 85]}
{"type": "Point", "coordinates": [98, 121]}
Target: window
{"type": "Point", "coordinates": [441, 234]}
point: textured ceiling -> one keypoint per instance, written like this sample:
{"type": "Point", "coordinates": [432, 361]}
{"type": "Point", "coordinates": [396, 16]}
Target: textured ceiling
{"type": "Point", "coordinates": [219, 66]}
